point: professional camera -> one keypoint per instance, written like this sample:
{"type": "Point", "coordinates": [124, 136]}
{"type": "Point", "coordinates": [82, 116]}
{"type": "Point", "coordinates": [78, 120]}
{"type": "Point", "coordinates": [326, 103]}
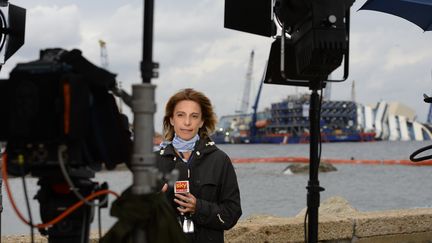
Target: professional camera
{"type": "Point", "coordinates": [313, 41]}
{"type": "Point", "coordinates": [61, 123]}
{"type": "Point", "coordinates": [61, 99]}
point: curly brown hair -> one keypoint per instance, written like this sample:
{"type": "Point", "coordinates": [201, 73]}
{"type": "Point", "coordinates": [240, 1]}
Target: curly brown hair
{"type": "Point", "coordinates": [208, 115]}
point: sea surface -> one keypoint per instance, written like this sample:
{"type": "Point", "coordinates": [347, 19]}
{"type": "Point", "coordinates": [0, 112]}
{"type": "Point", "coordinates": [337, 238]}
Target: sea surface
{"type": "Point", "coordinates": [265, 189]}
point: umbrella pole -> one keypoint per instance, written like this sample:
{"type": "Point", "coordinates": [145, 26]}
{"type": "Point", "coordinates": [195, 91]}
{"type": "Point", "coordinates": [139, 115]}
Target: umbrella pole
{"type": "Point", "coordinates": [314, 189]}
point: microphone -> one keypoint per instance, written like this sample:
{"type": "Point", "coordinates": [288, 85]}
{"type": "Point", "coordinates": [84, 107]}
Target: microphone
{"type": "Point", "coordinates": [182, 183]}
{"type": "Point", "coordinates": [182, 186]}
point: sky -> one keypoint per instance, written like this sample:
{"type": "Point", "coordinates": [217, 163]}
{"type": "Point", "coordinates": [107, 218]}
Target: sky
{"type": "Point", "coordinates": [390, 58]}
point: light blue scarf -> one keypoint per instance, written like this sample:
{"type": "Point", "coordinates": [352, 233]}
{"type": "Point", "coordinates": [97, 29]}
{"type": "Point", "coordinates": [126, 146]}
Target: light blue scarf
{"type": "Point", "coordinates": [184, 146]}
{"type": "Point", "coordinates": [180, 144]}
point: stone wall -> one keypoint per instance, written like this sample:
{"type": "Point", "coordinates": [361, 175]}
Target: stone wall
{"type": "Point", "coordinates": [339, 223]}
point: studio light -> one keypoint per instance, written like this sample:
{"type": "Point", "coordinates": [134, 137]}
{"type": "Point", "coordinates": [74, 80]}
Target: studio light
{"type": "Point", "coordinates": [313, 39]}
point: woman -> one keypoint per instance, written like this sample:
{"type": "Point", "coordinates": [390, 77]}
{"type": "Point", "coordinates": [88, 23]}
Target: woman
{"type": "Point", "coordinates": [213, 202]}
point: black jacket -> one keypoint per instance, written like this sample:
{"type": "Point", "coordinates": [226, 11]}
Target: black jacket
{"type": "Point", "coordinates": [213, 182]}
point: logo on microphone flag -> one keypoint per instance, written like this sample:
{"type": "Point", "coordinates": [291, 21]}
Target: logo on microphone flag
{"type": "Point", "coordinates": [181, 187]}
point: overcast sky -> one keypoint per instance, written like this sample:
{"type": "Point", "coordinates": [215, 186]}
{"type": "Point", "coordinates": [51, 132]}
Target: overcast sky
{"type": "Point", "coordinates": [390, 58]}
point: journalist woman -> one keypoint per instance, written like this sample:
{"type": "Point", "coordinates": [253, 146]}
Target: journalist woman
{"type": "Point", "coordinates": [210, 203]}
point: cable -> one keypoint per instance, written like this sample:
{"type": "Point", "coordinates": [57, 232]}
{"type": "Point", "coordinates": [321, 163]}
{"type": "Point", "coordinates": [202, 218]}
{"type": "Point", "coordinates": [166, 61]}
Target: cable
{"type": "Point", "coordinates": [319, 120]}
{"type": "Point", "coordinates": [417, 152]}
{"type": "Point", "coordinates": [59, 217]}
{"type": "Point", "coordinates": [71, 185]}
{"type": "Point", "coordinates": [99, 222]}
{"type": "Point", "coordinates": [6, 181]}
{"type": "Point", "coordinates": [75, 207]}
{"type": "Point", "coordinates": [27, 203]}
{"type": "Point", "coordinates": [305, 226]}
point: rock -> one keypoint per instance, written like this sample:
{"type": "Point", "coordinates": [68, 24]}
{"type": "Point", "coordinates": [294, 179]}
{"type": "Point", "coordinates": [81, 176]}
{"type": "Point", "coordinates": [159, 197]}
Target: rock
{"type": "Point", "coordinates": [304, 168]}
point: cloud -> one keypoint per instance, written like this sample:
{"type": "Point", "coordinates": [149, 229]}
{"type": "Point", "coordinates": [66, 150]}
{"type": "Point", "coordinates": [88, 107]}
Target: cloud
{"type": "Point", "coordinates": [52, 26]}
{"type": "Point", "coordinates": [390, 58]}
{"type": "Point", "coordinates": [398, 58]}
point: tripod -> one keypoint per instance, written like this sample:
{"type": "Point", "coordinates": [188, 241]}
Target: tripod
{"type": "Point", "coordinates": [55, 197]}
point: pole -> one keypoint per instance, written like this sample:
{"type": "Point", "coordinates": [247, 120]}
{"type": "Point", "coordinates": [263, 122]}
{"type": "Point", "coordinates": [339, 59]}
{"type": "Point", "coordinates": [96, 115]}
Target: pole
{"type": "Point", "coordinates": [143, 106]}
{"type": "Point", "coordinates": [313, 195]}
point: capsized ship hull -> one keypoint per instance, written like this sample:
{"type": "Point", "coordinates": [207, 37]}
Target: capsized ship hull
{"type": "Point", "coordinates": [288, 122]}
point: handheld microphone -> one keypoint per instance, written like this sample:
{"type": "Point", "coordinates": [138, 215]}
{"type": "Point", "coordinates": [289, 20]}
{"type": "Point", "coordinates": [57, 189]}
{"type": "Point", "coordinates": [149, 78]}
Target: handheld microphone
{"type": "Point", "coordinates": [182, 183]}
{"type": "Point", "coordinates": [182, 186]}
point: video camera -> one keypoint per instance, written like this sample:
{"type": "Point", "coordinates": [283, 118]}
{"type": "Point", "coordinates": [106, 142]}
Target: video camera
{"type": "Point", "coordinates": [314, 36]}
{"type": "Point", "coordinates": [62, 99]}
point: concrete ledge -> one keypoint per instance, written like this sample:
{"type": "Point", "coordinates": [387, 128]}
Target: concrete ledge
{"type": "Point", "coordinates": [274, 229]}
{"type": "Point", "coordinates": [339, 222]}
{"type": "Point", "coordinates": [393, 222]}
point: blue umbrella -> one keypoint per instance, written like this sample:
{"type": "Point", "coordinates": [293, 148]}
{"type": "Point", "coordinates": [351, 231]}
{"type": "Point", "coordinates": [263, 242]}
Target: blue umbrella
{"type": "Point", "coordinates": [419, 12]}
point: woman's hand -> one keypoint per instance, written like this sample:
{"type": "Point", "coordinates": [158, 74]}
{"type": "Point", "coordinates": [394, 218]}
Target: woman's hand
{"type": "Point", "coordinates": [187, 202]}
{"type": "Point", "coordinates": [164, 188]}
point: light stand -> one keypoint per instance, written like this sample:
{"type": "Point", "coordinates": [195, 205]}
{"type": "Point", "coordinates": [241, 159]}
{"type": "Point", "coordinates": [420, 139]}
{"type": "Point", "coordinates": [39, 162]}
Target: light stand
{"type": "Point", "coordinates": [143, 105]}
{"type": "Point", "coordinates": [314, 189]}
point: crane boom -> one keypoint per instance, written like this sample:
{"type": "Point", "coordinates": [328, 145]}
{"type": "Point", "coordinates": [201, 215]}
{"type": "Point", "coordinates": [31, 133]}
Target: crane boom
{"type": "Point", "coordinates": [246, 91]}
{"type": "Point", "coordinates": [252, 126]}
{"type": "Point", "coordinates": [103, 54]}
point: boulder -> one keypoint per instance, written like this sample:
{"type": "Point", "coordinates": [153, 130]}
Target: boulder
{"type": "Point", "coordinates": [297, 168]}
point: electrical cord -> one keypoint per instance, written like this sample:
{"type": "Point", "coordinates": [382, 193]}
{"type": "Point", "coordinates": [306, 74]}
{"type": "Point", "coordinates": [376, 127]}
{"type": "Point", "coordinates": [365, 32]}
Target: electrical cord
{"type": "Point", "coordinates": [319, 120]}
{"type": "Point", "coordinates": [59, 217]}
{"type": "Point", "coordinates": [305, 225]}
{"type": "Point", "coordinates": [61, 149]}
{"type": "Point", "coordinates": [99, 222]}
{"type": "Point", "coordinates": [27, 203]}
{"type": "Point", "coordinates": [417, 152]}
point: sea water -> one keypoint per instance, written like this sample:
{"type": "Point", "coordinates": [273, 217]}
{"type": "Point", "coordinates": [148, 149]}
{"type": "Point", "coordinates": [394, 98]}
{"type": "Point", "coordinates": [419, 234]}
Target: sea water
{"type": "Point", "coordinates": [265, 189]}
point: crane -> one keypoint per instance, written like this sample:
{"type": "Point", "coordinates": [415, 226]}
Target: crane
{"type": "Point", "coordinates": [252, 127]}
{"type": "Point", "coordinates": [353, 92]}
{"type": "Point", "coordinates": [246, 91]}
{"type": "Point", "coordinates": [105, 64]}
{"type": "Point", "coordinates": [103, 54]}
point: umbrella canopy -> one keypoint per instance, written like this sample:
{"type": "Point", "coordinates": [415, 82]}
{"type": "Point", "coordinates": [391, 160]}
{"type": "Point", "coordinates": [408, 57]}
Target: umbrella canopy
{"type": "Point", "coordinates": [418, 12]}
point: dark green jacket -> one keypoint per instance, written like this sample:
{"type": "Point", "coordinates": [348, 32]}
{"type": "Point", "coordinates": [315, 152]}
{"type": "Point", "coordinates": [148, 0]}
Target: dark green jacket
{"type": "Point", "coordinates": [213, 182]}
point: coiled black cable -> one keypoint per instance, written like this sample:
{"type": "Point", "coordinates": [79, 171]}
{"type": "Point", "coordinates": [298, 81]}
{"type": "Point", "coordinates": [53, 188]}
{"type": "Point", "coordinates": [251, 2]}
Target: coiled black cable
{"type": "Point", "coordinates": [417, 152]}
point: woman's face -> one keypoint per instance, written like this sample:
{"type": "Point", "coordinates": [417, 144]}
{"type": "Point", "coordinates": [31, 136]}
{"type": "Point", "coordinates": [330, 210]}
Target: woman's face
{"type": "Point", "coordinates": [187, 119]}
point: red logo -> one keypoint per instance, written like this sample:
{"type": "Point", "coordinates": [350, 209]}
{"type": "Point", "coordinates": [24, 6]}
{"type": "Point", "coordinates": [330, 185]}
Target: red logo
{"type": "Point", "coordinates": [181, 187]}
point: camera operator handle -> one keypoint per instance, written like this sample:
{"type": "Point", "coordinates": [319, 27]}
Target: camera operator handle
{"type": "Point", "coordinates": [417, 152]}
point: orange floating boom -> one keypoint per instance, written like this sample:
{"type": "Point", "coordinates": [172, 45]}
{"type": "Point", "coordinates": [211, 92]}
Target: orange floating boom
{"type": "Point", "coordinates": [332, 161]}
